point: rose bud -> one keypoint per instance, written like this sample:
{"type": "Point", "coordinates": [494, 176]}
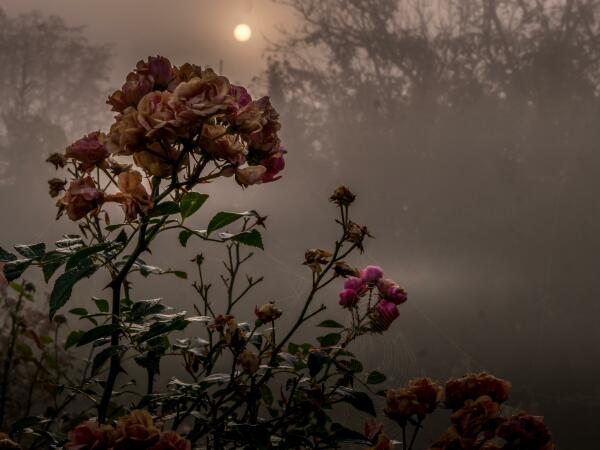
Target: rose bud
{"type": "Point", "coordinates": [348, 298]}
{"type": "Point", "coordinates": [249, 361]}
{"type": "Point", "coordinates": [371, 274]}
{"type": "Point", "coordinates": [342, 196]}
{"type": "Point", "coordinates": [56, 186]}
{"type": "Point", "coordinates": [170, 440]}
{"type": "Point", "coordinates": [391, 291]}
{"type": "Point", "coordinates": [343, 269]}
{"type": "Point", "coordinates": [160, 69]}
{"type": "Point", "coordinates": [267, 313]}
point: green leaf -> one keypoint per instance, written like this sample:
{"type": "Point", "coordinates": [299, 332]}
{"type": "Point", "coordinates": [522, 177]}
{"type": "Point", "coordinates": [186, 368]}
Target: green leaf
{"type": "Point", "coordinates": [33, 251]}
{"type": "Point", "coordinates": [114, 227]}
{"type": "Point", "coordinates": [164, 209]}
{"type": "Point", "coordinates": [190, 203]}
{"type": "Point", "coordinates": [143, 308]}
{"type": "Point", "coordinates": [73, 338]}
{"type": "Point", "coordinates": [103, 356]}
{"type": "Point", "coordinates": [86, 252]}
{"type": "Point", "coordinates": [50, 262]}
{"type": "Point", "coordinates": [376, 378]}
{"type": "Point", "coordinates": [70, 242]}
{"type": "Point", "coordinates": [252, 238]}
{"type": "Point", "coordinates": [79, 311]}
{"type": "Point", "coordinates": [222, 219]}
{"type": "Point", "coordinates": [359, 400]}
{"type": "Point", "coordinates": [122, 238]}
{"type": "Point", "coordinates": [329, 340]}
{"type": "Point", "coordinates": [158, 328]}
{"type": "Point", "coordinates": [330, 324]}
{"type": "Point", "coordinates": [316, 361]}
{"type": "Point", "coordinates": [97, 333]}
{"type": "Point", "coordinates": [184, 237]}
{"type": "Point", "coordinates": [15, 269]}
{"type": "Point", "coordinates": [64, 285]}
{"type": "Point", "coordinates": [6, 256]}
{"type": "Point", "coordinates": [180, 274]}
{"type": "Point", "coordinates": [102, 304]}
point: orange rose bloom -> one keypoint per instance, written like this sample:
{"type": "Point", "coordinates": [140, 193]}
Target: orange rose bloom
{"type": "Point", "coordinates": [136, 431]}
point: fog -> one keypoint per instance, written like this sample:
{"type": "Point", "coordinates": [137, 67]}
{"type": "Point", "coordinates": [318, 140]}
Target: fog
{"type": "Point", "coordinates": [476, 171]}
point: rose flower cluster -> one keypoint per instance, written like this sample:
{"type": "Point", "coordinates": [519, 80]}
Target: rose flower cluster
{"type": "Point", "coordinates": [134, 431]}
{"type": "Point", "coordinates": [383, 309]}
{"type": "Point", "coordinates": [183, 123]}
{"type": "Point", "coordinates": [478, 423]}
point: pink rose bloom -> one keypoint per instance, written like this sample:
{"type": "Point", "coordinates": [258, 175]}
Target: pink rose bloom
{"type": "Point", "coordinates": [371, 274]}
{"type": "Point", "coordinates": [160, 69]}
{"type": "Point", "coordinates": [240, 94]}
{"type": "Point", "coordinates": [391, 291]}
{"type": "Point", "coordinates": [89, 150]}
{"type": "Point", "coordinates": [388, 312]}
{"type": "Point", "coordinates": [355, 284]}
{"type": "Point", "coordinates": [348, 298]}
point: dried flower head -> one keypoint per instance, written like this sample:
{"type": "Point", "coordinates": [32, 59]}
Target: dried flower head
{"type": "Point", "coordinates": [316, 257]}
{"type": "Point", "coordinates": [267, 312]}
{"type": "Point", "coordinates": [56, 186]}
{"type": "Point", "coordinates": [342, 196]}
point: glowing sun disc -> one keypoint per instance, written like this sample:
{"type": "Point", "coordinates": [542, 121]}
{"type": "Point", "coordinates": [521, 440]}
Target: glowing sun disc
{"type": "Point", "coordinates": [242, 32]}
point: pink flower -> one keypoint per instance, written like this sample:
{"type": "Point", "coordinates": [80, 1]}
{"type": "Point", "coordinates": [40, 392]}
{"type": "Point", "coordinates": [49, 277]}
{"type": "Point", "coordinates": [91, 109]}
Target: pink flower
{"type": "Point", "coordinates": [371, 274]}
{"type": "Point", "coordinates": [89, 150]}
{"type": "Point", "coordinates": [274, 165]}
{"type": "Point", "coordinates": [391, 291]}
{"type": "Point", "coordinates": [355, 284]}
{"type": "Point", "coordinates": [387, 312]}
{"type": "Point", "coordinates": [348, 298]}
{"type": "Point", "coordinates": [240, 94]}
{"type": "Point", "coordinates": [160, 69]}
{"type": "Point", "coordinates": [82, 197]}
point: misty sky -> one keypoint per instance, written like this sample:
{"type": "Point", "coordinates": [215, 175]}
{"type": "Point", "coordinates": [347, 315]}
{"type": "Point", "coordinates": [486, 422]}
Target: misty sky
{"type": "Point", "coordinates": [198, 31]}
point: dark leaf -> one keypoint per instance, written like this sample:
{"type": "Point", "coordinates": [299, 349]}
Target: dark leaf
{"type": "Point", "coordinates": [316, 361]}
{"type": "Point", "coordinates": [252, 238]}
{"type": "Point", "coordinates": [329, 340]}
{"type": "Point", "coordinates": [64, 284]}
{"type": "Point", "coordinates": [103, 356]}
{"type": "Point", "coordinates": [27, 422]}
{"type": "Point", "coordinates": [76, 258]}
{"type": "Point", "coordinates": [158, 328]}
{"type": "Point", "coordinates": [33, 251]}
{"type": "Point", "coordinates": [359, 400]}
{"type": "Point", "coordinates": [330, 324]}
{"type": "Point", "coordinates": [190, 203]}
{"type": "Point", "coordinates": [96, 333]}
{"type": "Point", "coordinates": [165, 209]}
{"type": "Point", "coordinates": [79, 311]}
{"type": "Point", "coordinates": [184, 237]}
{"type": "Point", "coordinates": [222, 219]}
{"type": "Point", "coordinates": [6, 256]}
{"type": "Point", "coordinates": [102, 304]}
{"type": "Point", "coordinates": [376, 378]}
{"type": "Point", "coordinates": [15, 269]}
{"type": "Point", "coordinates": [73, 338]}
{"type": "Point", "coordinates": [143, 308]}
{"type": "Point", "coordinates": [50, 262]}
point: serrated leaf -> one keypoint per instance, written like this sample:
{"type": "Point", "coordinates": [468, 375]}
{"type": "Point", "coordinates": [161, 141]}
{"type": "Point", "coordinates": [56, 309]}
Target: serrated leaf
{"type": "Point", "coordinates": [73, 338]}
{"type": "Point", "coordinates": [64, 285]}
{"type": "Point", "coordinates": [51, 262]}
{"type": "Point", "coordinates": [330, 324]}
{"type": "Point", "coordinates": [376, 377]}
{"type": "Point", "coordinates": [143, 308]}
{"type": "Point", "coordinates": [359, 400]}
{"type": "Point", "coordinates": [15, 269]}
{"type": "Point", "coordinates": [76, 258]}
{"type": "Point", "coordinates": [222, 219]}
{"type": "Point", "coordinates": [6, 256]}
{"type": "Point", "coordinates": [191, 202]}
{"type": "Point", "coordinates": [252, 238]}
{"type": "Point", "coordinates": [164, 209]}
{"type": "Point", "coordinates": [184, 237]}
{"type": "Point", "coordinates": [96, 333]}
{"type": "Point", "coordinates": [33, 251]}
{"type": "Point", "coordinates": [101, 304]}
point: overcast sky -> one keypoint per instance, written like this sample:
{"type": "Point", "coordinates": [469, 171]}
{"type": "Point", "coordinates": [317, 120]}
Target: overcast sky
{"type": "Point", "coordinates": [198, 31]}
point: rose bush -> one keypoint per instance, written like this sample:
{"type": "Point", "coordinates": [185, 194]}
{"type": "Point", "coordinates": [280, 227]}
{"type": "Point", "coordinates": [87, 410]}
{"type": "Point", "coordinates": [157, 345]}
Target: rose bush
{"type": "Point", "coordinates": [246, 382]}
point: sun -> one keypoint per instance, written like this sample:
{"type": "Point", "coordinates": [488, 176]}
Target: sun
{"type": "Point", "coordinates": [242, 32]}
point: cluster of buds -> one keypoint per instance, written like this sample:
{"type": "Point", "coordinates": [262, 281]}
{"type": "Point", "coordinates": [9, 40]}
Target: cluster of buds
{"type": "Point", "coordinates": [478, 423]}
{"type": "Point", "coordinates": [136, 430]}
{"type": "Point", "coordinates": [416, 401]}
{"type": "Point", "coordinates": [388, 296]}
{"type": "Point", "coordinates": [173, 122]}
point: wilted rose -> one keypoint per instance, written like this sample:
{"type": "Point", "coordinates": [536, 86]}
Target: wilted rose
{"type": "Point", "coordinates": [90, 435]}
{"type": "Point", "coordinates": [249, 361]}
{"type": "Point", "coordinates": [428, 395]}
{"type": "Point", "coordinates": [136, 431]}
{"type": "Point", "coordinates": [400, 404]}
{"type": "Point", "coordinates": [58, 160]}
{"type": "Point", "coordinates": [157, 116]}
{"type": "Point", "coordinates": [250, 175]}
{"type": "Point", "coordinates": [267, 312]}
{"type": "Point", "coordinates": [56, 186]}
{"type": "Point", "coordinates": [203, 97]}
{"type": "Point", "coordinates": [222, 145]}
{"type": "Point", "coordinates": [343, 269]}
{"type": "Point", "coordinates": [136, 86]}
{"type": "Point", "coordinates": [160, 69]}
{"type": "Point", "coordinates": [342, 196]}
{"type": "Point", "coordinates": [89, 150]}
{"type": "Point", "coordinates": [170, 440]}
{"type": "Point", "coordinates": [315, 257]}
{"type": "Point", "coordinates": [391, 291]}
{"type": "Point", "coordinates": [473, 386]}
{"type": "Point", "coordinates": [133, 195]}
{"type": "Point", "coordinates": [477, 417]}
{"type": "Point", "coordinates": [158, 161]}
{"type": "Point", "coordinates": [525, 431]}
{"type": "Point", "coordinates": [126, 134]}
{"type": "Point", "coordinates": [82, 197]}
